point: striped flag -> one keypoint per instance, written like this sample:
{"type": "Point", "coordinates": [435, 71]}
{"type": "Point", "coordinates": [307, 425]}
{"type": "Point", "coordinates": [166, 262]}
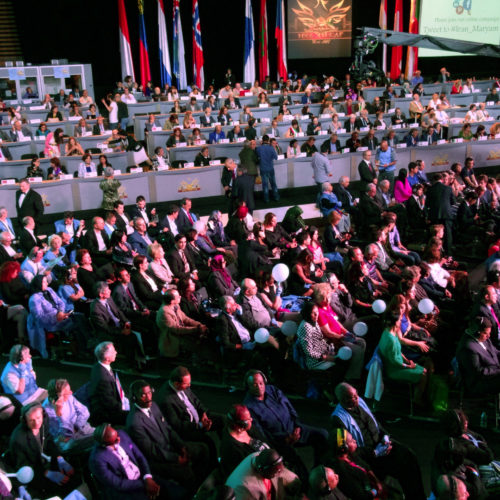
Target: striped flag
{"type": "Point", "coordinates": [263, 56]}
{"type": "Point", "coordinates": [179, 60]}
{"type": "Point", "coordinates": [165, 69]}
{"type": "Point", "coordinates": [143, 48]}
{"type": "Point", "coordinates": [279, 34]}
{"type": "Point", "coordinates": [249, 58]}
{"type": "Point", "coordinates": [382, 22]}
{"type": "Point", "coordinates": [125, 52]}
{"type": "Point", "coordinates": [397, 50]}
{"type": "Point", "coordinates": [198, 72]}
{"type": "Point", "coordinates": [412, 52]}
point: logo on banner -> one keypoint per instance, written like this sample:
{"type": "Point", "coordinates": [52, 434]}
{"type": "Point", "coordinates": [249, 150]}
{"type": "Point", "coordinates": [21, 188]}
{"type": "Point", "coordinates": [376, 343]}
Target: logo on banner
{"type": "Point", "coordinates": [45, 200]}
{"type": "Point", "coordinates": [440, 161]}
{"type": "Point", "coordinates": [323, 22]}
{"type": "Point", "coordinates": [186, 187]}
{"type": "Point", "coordinates": [494, 154]}
{"type": "Point", "coordinates": [122, 193]}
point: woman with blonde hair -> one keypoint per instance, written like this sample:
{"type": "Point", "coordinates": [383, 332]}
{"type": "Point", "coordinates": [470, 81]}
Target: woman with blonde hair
{"type": "Point", "coordinates": [159, 267]}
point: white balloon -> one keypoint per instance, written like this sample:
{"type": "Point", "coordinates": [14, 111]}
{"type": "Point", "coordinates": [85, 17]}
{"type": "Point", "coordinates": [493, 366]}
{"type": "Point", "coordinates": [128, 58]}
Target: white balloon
{"type": "Point", "coordinates": [289, 328]}
{"type": "Point", "coordinates": [280, 272]}
{"type": "Point", "coordinates": [345, 353]}
{"type": "Point", "coordinates": [25, 474]}
{"type": "Point", "coordinates": [261, 336]}
{"type": "Point", "coordinates": [360, 329]}
{"type": "Point", "coordinates": [426, 306]}
{"type": "Point", "coordinates": [379, 306]}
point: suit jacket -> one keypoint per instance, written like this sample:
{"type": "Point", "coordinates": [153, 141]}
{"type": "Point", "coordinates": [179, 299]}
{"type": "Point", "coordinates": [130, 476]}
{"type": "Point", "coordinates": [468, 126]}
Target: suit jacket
{"type": "Point", "coordinates": [27, 242]}
{"type": "Point", "coordinates": [26, 131]}
{"type": "Point", "coordinates": [350, 127]}
{"type": "Point", "coordinates": [121, 224]}
{"type": "Point", "coordinates": [104, 400]}
{"type": "Point", "coordinates": [101, 319]}
{"type": "Point", "coordinates": [4, 256]}
{"type": "Point", "coordinates": [151, 299]}
{"type": "Point", "coordinates": [90, 242]}
{"type": "Point", "coordinates": [32, 206]}
{"type": "Point", "coordinates": [177, 265]}
{"type": "Point", "coordinates": [416, 216]}
{"type": "Point", "coordinates": [96, 130]}
{"type": "Point", "coordinates": [123, 300]}
{"type": "Point", "coordinates": [465, 216]}
{"type": "Point", "coordinates": [326, 146]}
{"type": "Point", "coordinates": [485, 312]}
{"type": "Point", "coordinates": [206, 122]}
{"type": "Point", "coordinates": [367, 172]}
{"type": "Point", "coordinates": [153, 435]}
{"type": "Point", "coordinates": [343, 196]}
{"type": "Point", "coordinates": [79, 130]}
{"type": "Point", "coordinates": [361, 123]}
{"type": "Point", "coordinates": [61, 228]}
{"type": "Point", "coordinates": [243, 189]}
{"type": "Point", "coordinates": [107, 468]}
{"type": "Point", "coordinates": [138, 243]}
{"type": "Point", "coordinates": [227, 332]}
{"type": "Point", "coordinates": [183, 223]}
{"type": "Point", "coordinates": [7, 225]}
{"type": "Point", "coordinates": [370, 211]}
{"type": "Point", "coordinates": [366, 143]}
{"type": "Point", "coordinates": [175, 410]}
{"type": "Point", "coordinates": [439, 202]}
{"type": "Point", "coordinates": [398, 119]}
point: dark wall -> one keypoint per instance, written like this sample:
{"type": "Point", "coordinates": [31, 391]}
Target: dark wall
{"type": "Point", "coordinates": [87, 32]}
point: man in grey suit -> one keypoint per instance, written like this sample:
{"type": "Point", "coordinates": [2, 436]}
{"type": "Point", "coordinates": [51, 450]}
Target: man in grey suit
{"type": "Point", "coordinates": [322, 169]}
{"type": "Point", "coordinates": [20, 133]}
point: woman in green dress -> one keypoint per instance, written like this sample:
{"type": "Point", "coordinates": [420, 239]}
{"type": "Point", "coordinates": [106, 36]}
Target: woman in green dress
{"type": "Point", "coordinates": [397, 366]}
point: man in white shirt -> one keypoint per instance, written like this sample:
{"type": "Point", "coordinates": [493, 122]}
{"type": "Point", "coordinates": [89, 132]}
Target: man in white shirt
{"type": "Point", "coordinates": [441, 115]}
{"type": "Point", "coordinates": [6, 223]}
{"type": "Point", "coordinates": [7, 251]}
{"type": "Point", "coordinates": [20, 133]}
{"type": "Point", "coordinates": [32, 266]}
{"type": "Point", "coordinates": [127, 97]}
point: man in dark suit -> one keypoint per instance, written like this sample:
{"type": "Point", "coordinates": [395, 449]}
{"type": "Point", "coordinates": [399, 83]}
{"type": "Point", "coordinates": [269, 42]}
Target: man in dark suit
{"type": "Point", "coordinates": [168, 228]}
{"type": "Point", "coordinates": [487, 308]}
{"type": "Point", "coordinates": [122, 219]}
{"type": "Point", "coordinates": [369, 211]}
{"type": "Point", "coordinates": [479, 359]}
{"type": "Point", "coordinates": [186, 218]}
{"type": "Point", "coordinates": [370, 141]}
{"type": "Point", "coordinates": [140, 210]}
{"type": "Point", "coordinates": [367, 172]}
{"type": "Point", "coordinates": [108, 320]}
{"type": "Point", "coordinates": [27, 237]}
{"type": "Point", "coordinates": [206, 119]}
{"type": "Point", "coordinates": [28, 202]}
{"type": "Point", "coordinates": [139, 240]}
{"type": "Point", "coordinates": [20, 133]}
{"type": "Point", "coordinates": [227, 180]}
{"type": "Point", "coordinates": [107, 400]}
{"type": "Point", "coordinates": [331, 145]}
{"type": "Point", "coordinates": [170, 457]}
{"type": "Point", "coordinates": [243, 189]}
{"type": "Point", "coordinates": [180, 261]}
{"type": "Point", "coordinates": [188, 416]}
{"type": "Point", "coordinates": [351, 124]}
{"type": "Point", "coordinates": [439, 201]}
{"type": "Point", "coordinates": [343, 195]}
{"type": "Point", "coordinates": [99, 128]}
{"type": "Point", "coordinates": [96, 241]}
{"type": "Point", "coordinates": [127, 301]}
{"type": "Point", "coordinates": [363, 121]}
{"type": "Point", "coordinates": [7, 251]}
{"type": "Point", "coordinates": [122, 471]}
{"type": "Point", "coordinates": [398, 118]}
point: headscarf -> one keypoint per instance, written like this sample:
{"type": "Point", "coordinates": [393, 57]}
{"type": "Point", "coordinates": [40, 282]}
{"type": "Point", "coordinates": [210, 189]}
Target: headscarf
{"type": "Point", "coordinates": [241, 212]}
{"type": "Point", "coordinates": [216, 265]}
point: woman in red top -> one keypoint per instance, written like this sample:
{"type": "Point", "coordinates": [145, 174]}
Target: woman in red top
{"type": "Point", "coordinates": [336, 333]}
{"type": "Point", "coordinates": [457, 87]}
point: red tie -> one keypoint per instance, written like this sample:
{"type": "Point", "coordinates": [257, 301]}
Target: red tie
{"type": "Point", "coordinates": [190, 218]}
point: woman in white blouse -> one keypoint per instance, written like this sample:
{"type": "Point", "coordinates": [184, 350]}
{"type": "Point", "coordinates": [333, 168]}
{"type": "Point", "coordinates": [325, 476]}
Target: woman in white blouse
{"type": "Point", "coordinates": [293, 150]}
{"type": "Point", "coordinates": [159, 267]}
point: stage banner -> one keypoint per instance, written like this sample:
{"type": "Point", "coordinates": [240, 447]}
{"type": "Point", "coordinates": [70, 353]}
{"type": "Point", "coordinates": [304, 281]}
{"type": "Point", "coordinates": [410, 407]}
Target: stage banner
{"type": "Point", "coordinates": [439, 158]}
{"type": "Point", "coordinates": [319, 28]}
{"type": "Point", "coordinates": [486, 153]}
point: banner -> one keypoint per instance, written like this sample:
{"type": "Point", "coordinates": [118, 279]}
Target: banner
{"type": "Point", "coordinates": [198, 71]}
{"type": "Point", "coordinates": [143, 48]}
{"type": "Point", "coordinates": [125, 52]}
{"type": "Point", "coordinates": [249, 56]}
{"type": "Point", "coordinates": [397, 51]}
{"type": "Point", "coordinates": [439, 158]}
{"type": "Point", "coordinates": [165, 69]}
{"type": "Point", "coordinates": [279, 34]}
{"type": "Point", "coordinates": [486, 153]}
{"type": "Point", "coordinates": [179, 52]}
{"type": "Point", "coordinates": [319, 28]}
{"type": "Point", "coordinates": [263, 56]}
{"type": "Point", "coordinates": [59, 72]}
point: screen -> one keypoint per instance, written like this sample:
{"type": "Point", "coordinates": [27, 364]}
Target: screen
{"type": "Point", "coordinates": [319, 28]}
{"type": "Point", "coordinates": [470, 20]}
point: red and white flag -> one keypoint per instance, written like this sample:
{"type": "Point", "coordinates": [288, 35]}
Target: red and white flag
{"type": "Point", "coordinates": [263, 55]}
{"type": "Point", "coordinates": [397, 51]}
{"type": "Point", "coordinates": [125, 51]}
{"type": "Point", "coordinates": [412, 52]}
{"type": "Point", "coordinates": [198, 72]}
{"type": "Point", "coordinates": [382, 22]}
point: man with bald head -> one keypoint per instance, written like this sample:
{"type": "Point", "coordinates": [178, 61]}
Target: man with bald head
{"type": "Point", "coordinates": [96, 241]}
{"type": "Point", "coordinates": [385, 456]}
{"type": "Point", "coordinates": [255, 314]}
{"type": "Point", "coordinates": [323, 482]}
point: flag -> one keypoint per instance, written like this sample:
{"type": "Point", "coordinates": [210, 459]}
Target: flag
{"type": "Point", "coordinates": [397, 50]}
{"type": "Point", "coordinates": [249, 59]}
{"type": "Point", "coordinates": [179, 60]}
{"type": "Point", "coordinates": [125, 52]}
{"type": "Point", "coordinates": [165, 69]}
{"type": "Point", "coordinates": [198, 72]}
{"type": "Point", "coordinates": [143, 48]}
{"type": "Point", "coordinates": [263, 56]}
{"type": "Point", "coordinates": [412, 52]}
{"type": "Point", "coordinates": [279, 34]}
{"type": "Point", "coordinates": [382, 22]}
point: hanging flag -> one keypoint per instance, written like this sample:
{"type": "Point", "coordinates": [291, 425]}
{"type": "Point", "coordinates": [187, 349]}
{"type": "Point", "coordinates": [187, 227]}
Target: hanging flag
{"type": "Point", "coordinates": [279, 34]}
{"type": "Point", "coordinates": [412, 52]}
{"type": "Point", "coordinates": [263, 56]}
{"type": "Point", "coordinates": [382, 22]}
{"type": "Point", "coordinates": [179, 60]}
{"type": "Point", "coordinates": [249, 59]}
{"type": "Point", "coordinates": [165, 70]}
{"type": "Point", "coordinates": [125, 52]}
{"type": "Point", "coordinates": [143, 48]}
{"type": "Point", "coordinates": [397, 51]}
{"type": "Point", "coordinates": [198, 72]}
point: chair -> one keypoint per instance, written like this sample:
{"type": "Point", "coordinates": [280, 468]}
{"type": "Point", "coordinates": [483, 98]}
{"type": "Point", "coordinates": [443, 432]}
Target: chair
{"type": "Point", "coordinates": [222, 159]}
{"type": "Point", "coordinates": [178, 163]}
{"type": "Point", "coordinates": [29, 156]}
{"type": "Point", "coordinates": [93, 151]}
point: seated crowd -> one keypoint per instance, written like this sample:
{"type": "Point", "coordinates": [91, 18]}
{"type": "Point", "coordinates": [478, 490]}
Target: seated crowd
{"type": "Point", "coordinates": [285, 303]}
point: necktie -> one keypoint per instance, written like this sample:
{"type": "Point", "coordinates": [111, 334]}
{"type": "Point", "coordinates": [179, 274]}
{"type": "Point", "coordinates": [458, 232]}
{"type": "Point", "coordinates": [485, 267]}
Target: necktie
{"type": "Point", "coordinates": [190, 408]}
{"type": "Point", "coordinates": [118, 384]}
{"type": "Point", "coordinates": [134, 303]}
{"type": "Point", "coordinates": [49, 298]}
{"type": "Point", "coordinates": [116, 321]}
{"type": "Point", "coordinates": [495, 317]}
{"type": "Point", "coordinates": [176, 310]}
{"type": "Point", "coordinates": [184, 260]}
{"type": "Point", "coordinates": [190, 218]}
